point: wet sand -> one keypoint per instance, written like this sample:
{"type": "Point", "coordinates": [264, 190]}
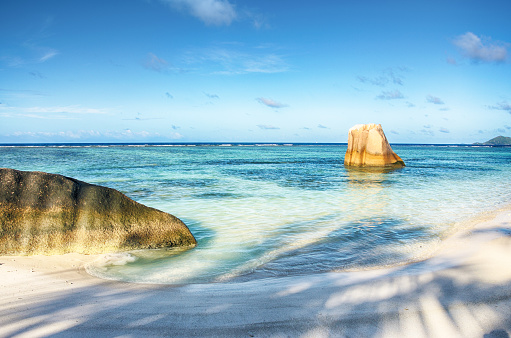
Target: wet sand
{"type": "Point", "coordinates": [463, 290]}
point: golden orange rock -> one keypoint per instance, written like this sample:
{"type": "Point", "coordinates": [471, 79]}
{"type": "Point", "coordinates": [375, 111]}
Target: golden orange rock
{"type": "Point", "coordinates": [368, 146]}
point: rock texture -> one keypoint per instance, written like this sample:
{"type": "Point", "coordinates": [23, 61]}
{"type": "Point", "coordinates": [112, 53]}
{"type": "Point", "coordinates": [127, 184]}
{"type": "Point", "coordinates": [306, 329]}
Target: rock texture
{"type": "Point", "coordinates": [44, 213]}
{"type": "Point", "coordinates": [368, 146]}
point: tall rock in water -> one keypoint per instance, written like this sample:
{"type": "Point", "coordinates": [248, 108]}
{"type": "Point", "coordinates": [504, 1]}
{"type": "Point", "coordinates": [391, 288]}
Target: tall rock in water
{"type": "Point", "coordinates": [44, 213]}
{"type": "Point", "coordinates": [368, 146]}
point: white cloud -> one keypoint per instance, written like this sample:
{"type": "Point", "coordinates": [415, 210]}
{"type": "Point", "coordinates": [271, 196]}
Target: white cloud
{"type": "Point", "coordinates": [434, 99]}
{"type": "Point", "coordinates": [211, 12]}
{"type": "Point", "coordinates": [478, 50]}
{"type": "Point", "coordinates": [390, 95]}
{"type": "Point", "coordinates": [48, 54]}
{"type": "Point", "coordinates": [271, 103]}
{"type": "Point", "coordinates": [444, 130]}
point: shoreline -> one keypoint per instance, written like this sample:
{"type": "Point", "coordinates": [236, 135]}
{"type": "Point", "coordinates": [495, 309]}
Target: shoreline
{"type": "Point", "coordinates": [464, 289]}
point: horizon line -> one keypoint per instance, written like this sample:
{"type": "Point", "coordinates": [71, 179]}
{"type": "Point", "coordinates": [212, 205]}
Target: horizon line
{"type": "Point", "coordinates": [14, 144]}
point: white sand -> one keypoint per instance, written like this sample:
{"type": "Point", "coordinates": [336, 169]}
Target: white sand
{"type": "Point", "coordinates": [464, 290]}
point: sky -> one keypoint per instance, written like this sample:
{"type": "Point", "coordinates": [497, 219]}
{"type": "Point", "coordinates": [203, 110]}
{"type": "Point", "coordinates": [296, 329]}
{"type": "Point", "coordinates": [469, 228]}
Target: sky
{"type": "Point", "coordinates": [253, 71]}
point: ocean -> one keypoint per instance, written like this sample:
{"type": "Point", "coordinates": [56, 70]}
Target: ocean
{"type": "Point", "coordinates": [276, 210]}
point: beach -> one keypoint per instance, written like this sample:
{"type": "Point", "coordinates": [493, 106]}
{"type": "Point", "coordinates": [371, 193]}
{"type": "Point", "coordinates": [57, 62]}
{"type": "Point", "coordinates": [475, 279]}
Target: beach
{"type": "Point", "coordinates": [222, 168]}
{"type": "Point", "coordinates": [463, 290]}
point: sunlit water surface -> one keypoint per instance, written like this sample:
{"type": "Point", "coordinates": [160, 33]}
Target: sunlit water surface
{"type": "Point", "coordinates": [261, 211]}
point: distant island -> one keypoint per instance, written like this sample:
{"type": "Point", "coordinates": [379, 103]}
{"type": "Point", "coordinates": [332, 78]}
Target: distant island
{"type": "Point", "coordinates": [497, 141]}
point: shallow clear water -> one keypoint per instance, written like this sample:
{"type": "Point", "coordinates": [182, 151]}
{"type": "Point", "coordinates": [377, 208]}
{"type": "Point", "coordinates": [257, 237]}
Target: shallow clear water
{"type": "Point", "coordinates": [265, 211]}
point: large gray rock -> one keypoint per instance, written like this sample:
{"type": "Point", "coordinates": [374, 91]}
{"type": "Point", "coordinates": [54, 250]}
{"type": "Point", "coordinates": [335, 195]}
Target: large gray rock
{"type": "Point", "coordinates": [44, 213]}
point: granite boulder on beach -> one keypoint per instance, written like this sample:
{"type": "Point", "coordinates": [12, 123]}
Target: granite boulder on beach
{"type": "Point", "coordinates": [43, 213]}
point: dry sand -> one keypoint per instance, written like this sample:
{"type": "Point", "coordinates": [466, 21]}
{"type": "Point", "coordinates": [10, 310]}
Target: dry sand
{"type": "Point", "coordinates": [464, 290]}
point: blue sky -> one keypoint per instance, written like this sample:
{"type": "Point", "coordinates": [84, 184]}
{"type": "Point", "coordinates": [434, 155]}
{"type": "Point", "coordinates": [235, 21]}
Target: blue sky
{"type": "Point", "coordinates": [253, 71]}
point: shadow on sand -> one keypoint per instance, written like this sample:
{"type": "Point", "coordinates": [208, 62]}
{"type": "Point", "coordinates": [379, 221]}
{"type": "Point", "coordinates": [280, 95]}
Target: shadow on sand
{"type": "Point", "coordinates": [456, 299]}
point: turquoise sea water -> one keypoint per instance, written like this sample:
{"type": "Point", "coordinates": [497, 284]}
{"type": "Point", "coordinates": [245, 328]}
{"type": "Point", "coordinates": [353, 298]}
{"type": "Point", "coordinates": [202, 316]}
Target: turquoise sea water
{"type": "Point", "coordinates": [262, 211]}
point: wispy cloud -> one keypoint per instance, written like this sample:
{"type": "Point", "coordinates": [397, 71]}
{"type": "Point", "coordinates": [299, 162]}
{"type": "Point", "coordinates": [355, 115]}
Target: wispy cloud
{"type": "Point", "coordinates": [269, 63]}
{"type": "Point", "coordinates": [502, 106]}
{"type": "Point", "coordinates": [428, 131]}
{"type": "Point", "coordinates": [380, 81]}
{"type": "Point", "coordinates": [21, 93]}
{"type": "Point", "coordinates": [444, 130]}
{"type": "Point", "coordinates": [55, 112]}
{"type": "Point", "coordinates": [65, 109]}
{"type": "Point", "coordinates": [322, 126]}
{"type": "Point", "coordinates": [32, 50]}
{"type": "Point", "coordinates": [271, 103]}
{"type": "Point", "coordinates": [155, 63]}
{"type": "Point", "coordinates": [139, 118]}
{"type": "Point", "coordinates": [211, 12]}
{"type": "Point", "coordinates": [211, 96]}
{"type": "Point", "coordinates": [169, 95]}
{"type": "Point", "coordinates": [388, 76]}
{"type": "Point", "coordinates": [126, 134]}
{"type": "Point", "coordinates": [480, 50]}
{"type": "Point", "coordinates": [452, 61]}
{"type": "Point", "coordinates": [237, 59]}
{"type": "Point", "coordinates": [36, 55]}
{"type": "Point", "coordinates": [59, 134]}
{"type": "Point", "coordinates": [259, 21]}
{"type": "Point", "coordinates": [49, 53]}
{"type": "Point", "coordinates": [434, 99]}
{"type": "Point", "coordinates": [267, 127]}
{"type": "Point", "coordinates": [390, 95]}
{"type": "Point", "coordinates": [37, 74]}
